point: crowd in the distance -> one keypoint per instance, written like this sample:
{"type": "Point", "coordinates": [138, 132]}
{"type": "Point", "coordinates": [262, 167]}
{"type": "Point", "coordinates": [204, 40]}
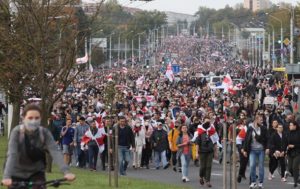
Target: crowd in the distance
{"type": "Point", "coordinates": [175, 123]}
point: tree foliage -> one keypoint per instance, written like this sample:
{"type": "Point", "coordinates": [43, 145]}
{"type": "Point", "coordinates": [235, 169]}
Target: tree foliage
{"type": "Point", "coordinates": [40, 42]}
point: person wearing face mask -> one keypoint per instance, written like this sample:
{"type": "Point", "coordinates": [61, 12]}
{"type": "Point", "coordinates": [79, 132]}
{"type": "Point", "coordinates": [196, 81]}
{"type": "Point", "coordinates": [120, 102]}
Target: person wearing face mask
{"type": "Point", "coordinates": [206, 148]}
{"type": "Point", "coordinates": [273, 160]}
{"type": "Point", "coordinates": [278, 145]}
{"type": "Point", "coordinates": [240, 138]}
{"type": "Point", "coordinates": [172, 138]}
{"type": "Point", "coordinates": [140, 143]}
{"type": "Point", "coordinates": [277, 115]}
{"type": "Point", "coordinates": [159, 140]}
{"type": "Point", "coordinates": [255, 146]}
{"type": "Point", "coordinates": [27, 146]}
{"type": "Point", "coordinates": [147, 151]}
{"type": "Point", "coordinates": [293, 152]}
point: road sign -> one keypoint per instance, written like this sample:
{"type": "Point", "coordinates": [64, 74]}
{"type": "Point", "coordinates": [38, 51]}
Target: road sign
{"type": "Point", "coordinates": [176, 68]}
{"type": "Point", "coordinates": [286, 41]}
{"type": "Point", "coordinates": [266, 56]}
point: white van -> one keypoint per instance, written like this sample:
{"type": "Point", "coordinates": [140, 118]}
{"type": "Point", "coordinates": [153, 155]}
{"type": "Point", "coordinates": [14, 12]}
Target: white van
{"type": "Point", "coordinates": [214, 80]}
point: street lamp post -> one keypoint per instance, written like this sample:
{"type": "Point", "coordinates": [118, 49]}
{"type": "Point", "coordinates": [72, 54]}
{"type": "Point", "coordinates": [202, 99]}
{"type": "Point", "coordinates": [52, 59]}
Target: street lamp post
{"type": "Point", "coordinates": [291, 34]}
{"type": "Point", "coordinates": [281, 37]}
{"type": "Point", "coordinates": [119, 43]}
{"type": "Point", "coordinates": [132, 53]}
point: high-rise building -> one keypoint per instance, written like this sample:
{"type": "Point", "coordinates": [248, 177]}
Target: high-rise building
{"type": "Point", "coordinates": [256, 5]}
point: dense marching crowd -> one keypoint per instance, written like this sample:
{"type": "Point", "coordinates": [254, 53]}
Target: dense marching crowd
{"type": "Point", "coordinates": [173, 123]}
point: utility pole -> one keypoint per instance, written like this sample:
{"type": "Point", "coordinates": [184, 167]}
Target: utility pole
{"type": "Point", "coordinates": [281, 46]}
{"type": "Point", "coordinates": [259, 51]}
{"type": "Point", "coordinates": [139, 47]}
{"type": "Point", "coordinates": [110, 51]}
{"type": "Point", "coordinates": [208, 29]}
{"type": "Point", "coordinates": [292, 37]}
{"type": "Point", "coordinates": [234, 181]}
{"type": "Point", "coordinates": [90, 52]}
{"type": "Point", "coordinates": [269, 48]}
{"type": "Point", "coordinates": [132, 53]}
{"type": "Point", "coordinates": [252, 49]}
{"type": "Point", "coordinates": [119, 44]}
{"type": "Point", "coordinates": [222, 32]}
{"type": "Point", "coordinates": [224, 156]}
{"type": "Point", "coordinates": [264, 49]}
{"type": "Point", "coordinates": [126, 49]}
{"type": "Point", "coordinates": [116, 174]}
{"type": "Point", "coordinates": [194, 30]}
{"type": "Point", "coordinates": [273, 49]}
{"type": "Point", "coordinates": [229, 34]}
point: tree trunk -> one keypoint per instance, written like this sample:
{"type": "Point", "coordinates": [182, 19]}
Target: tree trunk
{"type": "Point", "coordinates": [16, 114]}
{"type": "Point", "coordinates": [45, 115]}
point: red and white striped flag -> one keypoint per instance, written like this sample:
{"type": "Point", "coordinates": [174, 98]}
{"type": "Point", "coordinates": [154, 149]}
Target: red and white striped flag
{"type": "Point", "coordinates": [124, 70]}
{"type": "Point", "coordinates": [169, 73]}
{"type": "Point", "coordinates": [140, 80]}
{"type": "Point", "coordinates": [109, 77]}
{"type": "Point", "coordinates": [82, 60]}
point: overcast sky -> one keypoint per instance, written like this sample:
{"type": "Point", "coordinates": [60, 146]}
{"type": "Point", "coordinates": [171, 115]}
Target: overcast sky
{"type": "Point", "coordinates": [186, 6]}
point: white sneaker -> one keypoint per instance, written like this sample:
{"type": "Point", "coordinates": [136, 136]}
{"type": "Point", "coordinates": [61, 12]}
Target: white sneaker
{"type": "Point", "coordinates": [187, 179]}
{"type": "Point", "coordinates": [252, 185]}
{"type": "Point", "coordinates": [287, 174]}
{"type": "Point", "coordinates": [260, 186]}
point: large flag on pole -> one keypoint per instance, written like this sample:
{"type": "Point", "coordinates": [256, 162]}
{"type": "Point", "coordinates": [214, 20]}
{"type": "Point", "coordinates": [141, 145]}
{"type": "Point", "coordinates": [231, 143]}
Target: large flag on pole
{"type": "Point", "coordinates": [228, 85]}
{"type": "Point", "coordinates": [82, 60]}
{"type": "Point", "coordinates": [85, 59]}
{"type": "Point", "coordinates": [140, 81]}
{"type": "Point", "coordinates": [169, 73]}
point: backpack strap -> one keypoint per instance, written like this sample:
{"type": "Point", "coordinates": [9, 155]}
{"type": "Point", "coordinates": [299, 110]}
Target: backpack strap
{"type": "Point", "coordinates": [42, 135]}
{"type": "Point", "coordinates": [21, 134]}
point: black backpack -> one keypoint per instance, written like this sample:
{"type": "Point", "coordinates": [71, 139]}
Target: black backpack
{"type": "Point", "coordinates": [205, 143]}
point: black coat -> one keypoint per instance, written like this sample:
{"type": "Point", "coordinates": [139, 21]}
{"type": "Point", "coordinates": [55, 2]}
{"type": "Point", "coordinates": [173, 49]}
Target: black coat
{"type": "Point", "coordinates": [294, 139]}
{"type": "Point", "coordinates": [159, 140]}
{"type": "Point", "coordinates": [278, 143]}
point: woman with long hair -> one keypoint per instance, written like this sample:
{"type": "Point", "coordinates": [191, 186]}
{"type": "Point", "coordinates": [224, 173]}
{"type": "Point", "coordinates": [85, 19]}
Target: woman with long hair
{"type": "Point", "coordinates": [184, 151]}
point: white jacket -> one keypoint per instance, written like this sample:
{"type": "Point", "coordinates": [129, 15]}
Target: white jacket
{"type": "Point", "coordinates": [140, 138]}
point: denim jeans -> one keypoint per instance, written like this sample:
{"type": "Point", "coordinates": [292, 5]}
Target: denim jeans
{"type": "Point", "coordinates": [93, 156]}
{"type": "Point", "coordinates": [160, 156]}
{"type": "Point", "coordinates": [254, 155]}
{"type": "Point", "coordinates": [185, 162]}
{"type": "Point", "coordinates": [124, 158]}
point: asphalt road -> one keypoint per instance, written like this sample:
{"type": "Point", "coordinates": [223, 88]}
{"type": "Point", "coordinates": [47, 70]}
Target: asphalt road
{"type": "Point", "coordinates": [170, 177]}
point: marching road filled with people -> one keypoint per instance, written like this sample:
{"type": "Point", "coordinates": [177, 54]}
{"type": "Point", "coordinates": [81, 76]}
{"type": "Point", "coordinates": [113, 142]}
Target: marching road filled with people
{"type": "Point", "coordinates": [168, 120]}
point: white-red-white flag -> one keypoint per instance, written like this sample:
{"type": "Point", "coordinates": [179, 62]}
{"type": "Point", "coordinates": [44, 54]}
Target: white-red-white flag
{"type": "Point", "coordinates": [124, 70]}
{"type": "Point", "coordinates": [82, 60]}
{"type": "Point", "coordinates": [227, 83]}
{"type": "Point", "coordinates": [140, 80]}
{"type": "Point", "coordinates": [169, 73]}
{"type": "Point", "coordinates": [109, 77]}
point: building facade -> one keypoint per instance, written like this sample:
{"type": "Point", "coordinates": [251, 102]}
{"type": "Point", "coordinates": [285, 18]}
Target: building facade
{"type": "Point", "coordinates": [256, 5]}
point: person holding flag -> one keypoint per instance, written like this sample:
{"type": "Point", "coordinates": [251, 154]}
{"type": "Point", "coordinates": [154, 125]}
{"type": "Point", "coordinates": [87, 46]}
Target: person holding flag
{"type": "Point", "coordinates": [169, 73]}
{"type": "Point", "coordinates": [206, 147]}
{"type": "Point", "coordinates": [94, 140]}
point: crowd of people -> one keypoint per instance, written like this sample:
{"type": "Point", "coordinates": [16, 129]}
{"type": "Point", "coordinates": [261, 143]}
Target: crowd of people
{"type": "Point", "coordinates": [164, 123]}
